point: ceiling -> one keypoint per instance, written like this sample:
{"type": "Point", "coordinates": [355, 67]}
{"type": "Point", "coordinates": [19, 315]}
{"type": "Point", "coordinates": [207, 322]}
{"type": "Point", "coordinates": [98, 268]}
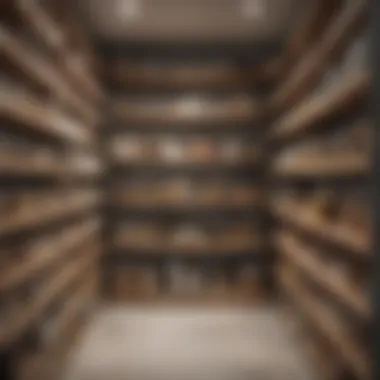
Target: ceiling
{"type": "Point", "coordinates": [179, 21]}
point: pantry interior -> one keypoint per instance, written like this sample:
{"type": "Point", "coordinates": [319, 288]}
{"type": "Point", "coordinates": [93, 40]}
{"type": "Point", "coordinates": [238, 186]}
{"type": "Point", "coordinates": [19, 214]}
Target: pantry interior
{"type": "Point", "coordinates": [164, 157]}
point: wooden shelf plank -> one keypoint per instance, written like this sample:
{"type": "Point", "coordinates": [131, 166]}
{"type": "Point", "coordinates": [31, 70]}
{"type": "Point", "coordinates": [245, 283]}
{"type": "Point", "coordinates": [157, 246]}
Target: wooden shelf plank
{"type": "Point", "coordinates": [41, 118]}
{"type": "Point", "coordinates": [185, 206]}
{"type": "Point", "coordinates": [186, 159]}
{"type": "Point", "coordinates": [16, 164]}
{"type": "Point", "coordinates": [82, 81]}
{"type": "Point", "coordinates": [196, 213]}
{"type": "Point", "coordinates": [213, 247]}
{"type": "Point", "coordinates": [45, 251]}
{"type": "Point", "coordinates": [310, 165]}
{"type": "Point", "coordinates": [74, 307]}
{"type": "Point", "coordinates": [312, 19]}
{"type": "Point", "coordinates": [309, 71]}
{"type": "Point", "coordinates": [330, 326]}
{"type": "Point", "coordinates": [315, 109]}
{"type": "Point", "coordinates": [42, 24]}
{"type": "Point", "coordinates": [43, 73]}
{"type": "Point", "coordinates": [339, 234]}
{"type": "Point", "coordinates": [180, 112]}
{"type": "Point", "coordinates": [53, 36]}
{"type": "Point", "coordinates": [47, 209]}
{"type": "Point", "coordinates": [254, 250]}
{"type": "Point", "coordinates": [189, 166]}
{"type": "Point", "coordinates": [306, 259]}
{"type": "Point", "coordinates": [136, 75]}
{"type": "Point", "coordinates": [30, 164]}
{"type": "Point", "coordinates": [55, 286]}
{"type": "Point", "coordinates": [80, 166]}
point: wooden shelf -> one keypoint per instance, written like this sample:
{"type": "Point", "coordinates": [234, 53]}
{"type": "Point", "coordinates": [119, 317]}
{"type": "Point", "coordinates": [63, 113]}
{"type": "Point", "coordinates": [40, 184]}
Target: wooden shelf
{"type": "Point", "coordinates": [307, 115]}
{"type": "Point", "coordinates": [310, 23]}
{"type": "Point", "coordinates": [80, 166]}
{"type": "Point", "coordinates": [52, 207]}
{"type": "Point", "coordinates": [74, 306]}
{"type": "Point", "coordinates": [39, 117]}
{"type": "Point", "coordinates": [321, 359]}
{"type": "Point", "coordinates": [330, 326]}
{"type": "Point", "coordinates": [307, 260]}
{"type": "Point", "coordinates": [176, 195]}
{"type": "Point", "coordinates": [135, 75]}
{"type": "Point", "coordinates": [22, 164]}
{"type": "Point", "coordinates": [215, 244]}
{"type": "Point", "coordinates": [49, 164]}
{"type": "Point", "coordinates": [224, 111]}
{"type": "Point", "coordinates": [55, 286]}
{"type": "Point", "coordinates": [14, 163]}
{"type": "Point", "coordinates": [45, 251]}
{"type": "Point", "coordinates": [82, 81]}
{"type": "Point", "coordinates": [194, 213]}
{"type": "Point", "coordinates": [189, 251]}
{"type": "Point", "coordinates": [185, 155]}
{"type": "Point", "coordinates": [42, 25]}
{"type": "Point", "coordinates": [339, 234]}
{"type": "Point", "coordinates": [217, 160]}
{"type": "Point", "coordinates": [306, 74]}
{"type": "Point", "coordinates": [53, 36]}
{"type": "Point", "coordinates": [185, 206]}
{"type": "Point", "coordinates": [183, 166]}
{"type": "Point", "coordinates": [44, 74]}
{"type": "Point", "coordinates": [319, 165]}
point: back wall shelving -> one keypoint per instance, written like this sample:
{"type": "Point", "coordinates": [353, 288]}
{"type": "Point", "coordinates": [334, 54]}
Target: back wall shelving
{"type": "Point", "coordinates": [186, 197]}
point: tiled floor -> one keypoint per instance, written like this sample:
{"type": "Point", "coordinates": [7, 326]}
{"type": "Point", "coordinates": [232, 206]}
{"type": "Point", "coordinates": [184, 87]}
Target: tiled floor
{"type": "Point", "coordinates": [189, 344]}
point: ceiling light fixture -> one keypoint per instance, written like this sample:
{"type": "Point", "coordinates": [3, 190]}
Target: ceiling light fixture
{"type": "Point", "coordinates": [254, 9]}
{"type": "Point", "coordinates": [128, 9]}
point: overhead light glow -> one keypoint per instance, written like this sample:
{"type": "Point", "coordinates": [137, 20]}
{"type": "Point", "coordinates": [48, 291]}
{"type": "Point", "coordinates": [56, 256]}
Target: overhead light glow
{"type": "Point", "coordinates": [254, 9]}
{"type": "Point", "coordinates": [128, 9]}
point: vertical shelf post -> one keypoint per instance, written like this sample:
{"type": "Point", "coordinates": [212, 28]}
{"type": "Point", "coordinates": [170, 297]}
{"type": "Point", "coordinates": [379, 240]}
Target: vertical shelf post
{"type": "Point", "coordinates": [375, 114]}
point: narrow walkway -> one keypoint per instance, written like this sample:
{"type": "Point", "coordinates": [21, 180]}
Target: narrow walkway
{"type": "Point", "coordinates": [188, 344]}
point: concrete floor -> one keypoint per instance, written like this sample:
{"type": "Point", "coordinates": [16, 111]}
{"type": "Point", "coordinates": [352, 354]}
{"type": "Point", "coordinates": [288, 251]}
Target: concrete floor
{"type": "Point", "coordinates": [189, 344]}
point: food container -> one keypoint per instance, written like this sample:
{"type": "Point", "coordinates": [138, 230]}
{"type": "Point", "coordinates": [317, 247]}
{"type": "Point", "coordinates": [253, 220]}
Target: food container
{"type": "Point", "coordinates": [171, 151]}
{"type": "Point", "coordinates": [188, 238]}
{"type": "Point", "coordinates": [139, 236]}
{"type": "Point", "coordinates": [202, 151]}
{"type": "Point", "coordinates": [128, 149]}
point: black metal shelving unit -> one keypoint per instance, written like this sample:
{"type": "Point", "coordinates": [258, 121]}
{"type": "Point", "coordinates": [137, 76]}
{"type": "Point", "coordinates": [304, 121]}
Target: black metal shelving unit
{"type": "Point", "coordinates": [251, 174]}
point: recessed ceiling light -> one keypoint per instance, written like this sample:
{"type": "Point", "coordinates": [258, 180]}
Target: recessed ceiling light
{"type": "Point", "coordinates": [254, 9]}
{"type": "Point", "coordinates": [128, 9]}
